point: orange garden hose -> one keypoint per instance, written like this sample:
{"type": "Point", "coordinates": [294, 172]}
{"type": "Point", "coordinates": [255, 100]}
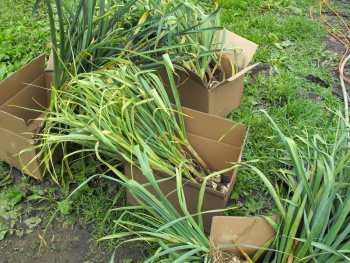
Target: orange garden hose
{"type": "Point", "coordinates": [343, 61]}
{"type": "Point", "coordinates": [324, 20]}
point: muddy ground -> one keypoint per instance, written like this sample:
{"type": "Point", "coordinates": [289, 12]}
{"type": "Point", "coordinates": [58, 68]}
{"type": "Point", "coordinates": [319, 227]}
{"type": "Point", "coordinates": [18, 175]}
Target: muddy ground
{"type": "Point", "coordinates": [66, 239]}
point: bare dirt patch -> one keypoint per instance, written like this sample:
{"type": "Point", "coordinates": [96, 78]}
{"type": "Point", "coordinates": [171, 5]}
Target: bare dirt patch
{"type": "Point", "coordinates": [67, 238]}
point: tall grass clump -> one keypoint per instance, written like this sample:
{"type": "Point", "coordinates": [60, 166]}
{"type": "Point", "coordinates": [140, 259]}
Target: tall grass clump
{"type": "Point", "coordinates": [314, 222]}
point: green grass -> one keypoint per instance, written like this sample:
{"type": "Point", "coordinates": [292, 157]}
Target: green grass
{"type": "Point", "coordinates": [292, 44]}
{"type": "Point", "coordinates": [21, 39]}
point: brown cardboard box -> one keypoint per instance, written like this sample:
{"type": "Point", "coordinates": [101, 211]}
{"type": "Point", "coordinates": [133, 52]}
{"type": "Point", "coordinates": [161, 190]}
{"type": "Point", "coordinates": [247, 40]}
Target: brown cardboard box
{"type": "Point", "coordinates": [203, 132]}
{"type": "Point", "coordinates": [27, 88]}
{"type": "Point", "coordinates": [252, 231]}
{"type": "Point", "coordinates": [223, 97]}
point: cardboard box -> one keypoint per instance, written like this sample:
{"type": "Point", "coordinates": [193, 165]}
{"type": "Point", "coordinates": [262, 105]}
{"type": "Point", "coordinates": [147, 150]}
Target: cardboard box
{"type": "Point", "coordinates": [223, 97]}
{"type": "Point", "coordinates": [27, 88]}
{"type": "Point", "coordinates": [203, 132]}
{"type": "Point", "coordinates": [252, 231]}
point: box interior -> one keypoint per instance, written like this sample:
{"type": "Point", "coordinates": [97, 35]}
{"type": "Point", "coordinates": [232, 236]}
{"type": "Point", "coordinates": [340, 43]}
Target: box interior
{"type": "Point", "coordinates": [16, 82]}
{"type": "Point", "coordinates": [33, 96]}
{"type": "Point", "coordinates": [204, 132]}
{"type": "Point", "coordinates": [21, 93]}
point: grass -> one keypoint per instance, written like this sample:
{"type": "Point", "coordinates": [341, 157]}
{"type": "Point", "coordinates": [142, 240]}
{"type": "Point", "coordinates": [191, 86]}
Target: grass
{"type": "Point", "coordinates": [289, 41]}
{"type": "Point", "coordinates": [293, 46]}
{"type": "Point", "coordinates": [21, 38]}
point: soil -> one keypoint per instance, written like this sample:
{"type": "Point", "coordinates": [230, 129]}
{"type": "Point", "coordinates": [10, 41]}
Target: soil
{"type": "Point", "coordinates": [62, 242]}
{"type": "Point", "coordinates": [335, 46]}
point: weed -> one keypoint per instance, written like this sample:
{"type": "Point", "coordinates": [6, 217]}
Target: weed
{"type": "Point", "coordinates": [31, 223]}
{"type": "Point", "coordinates": [8, 204]}
{"type": "Point", "coordinates": [33, 246]}
{"type": "Point", "coordinates": [3, 169]}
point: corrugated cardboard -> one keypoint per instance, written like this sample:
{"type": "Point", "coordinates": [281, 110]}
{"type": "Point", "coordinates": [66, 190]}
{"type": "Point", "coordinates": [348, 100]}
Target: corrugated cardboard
{"type": "Point", "coordinates": [252, 231]}
{"type": "Point", "coordinates": [28, 88]}
{"type": "Point", "coordinates": [223, 97]}
{"type": "Point", "coordinates": [203, 132]}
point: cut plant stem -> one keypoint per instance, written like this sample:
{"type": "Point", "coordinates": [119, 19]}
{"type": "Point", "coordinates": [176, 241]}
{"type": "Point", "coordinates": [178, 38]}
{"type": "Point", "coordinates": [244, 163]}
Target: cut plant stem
{"type": "Point", "coordinates": [199, 159]}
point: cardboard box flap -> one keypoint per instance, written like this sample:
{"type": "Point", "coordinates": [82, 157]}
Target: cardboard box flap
{"type": "Point", "coordinates": [220, 155]}
{"type": "Point", "coordinates": [212, 127]}
{"type": "Point", "coordinates": [48, 84]}
{"type": "Point", "coordinates": [13, 123]}
{"type": "Point", "coordinates": [49, 66]}
{"type": "Point", "coordinates": [253, 231]}
{"type": "Point", "coordinates": [249, 48]}
{"type": "Point", "coordinates": [242, 72]}
{"type": "Point", "coordinates": [25, 91]}
{"type": "Point", "coordinates": [226, 64]}
{"type": "Point", "coordinates": [12, 144]}
{"type": "Point", "coordinates": [10, 86]}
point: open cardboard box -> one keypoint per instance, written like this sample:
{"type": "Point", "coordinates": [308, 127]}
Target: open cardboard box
{"type": "Point", "coordinates": [203, 132]}
{"type": "Point", "coordinates": [223, 97]}
{"type": "Point", "coordinates": [27, 88]}
{"type": "Point", "coordinates": [251, 231]}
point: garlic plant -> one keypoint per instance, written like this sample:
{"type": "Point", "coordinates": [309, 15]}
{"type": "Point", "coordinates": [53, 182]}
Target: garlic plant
{"type": "Point", "coordinates": [112, 111]}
